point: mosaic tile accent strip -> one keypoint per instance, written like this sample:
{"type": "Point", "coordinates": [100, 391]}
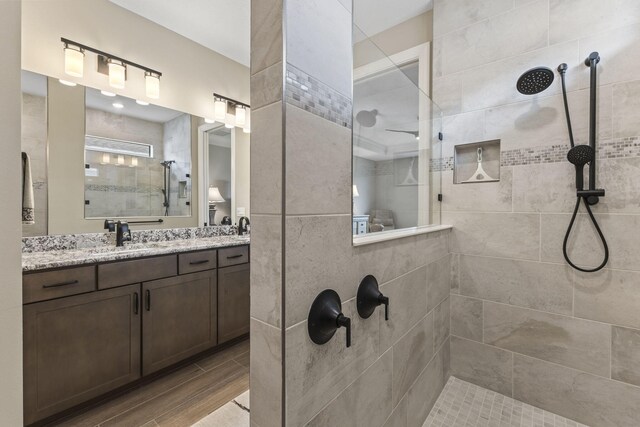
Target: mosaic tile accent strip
{"type": "Point", "coordinates": [123, 188]}
{"type": "Point", "coordinates": [310, 94]}
{"type": "Point", "coordinates": [462, 404]}
{"type": "Point", "coordinates": [441, 164]}
{"type": "Point", "coordinates": [92, 240]}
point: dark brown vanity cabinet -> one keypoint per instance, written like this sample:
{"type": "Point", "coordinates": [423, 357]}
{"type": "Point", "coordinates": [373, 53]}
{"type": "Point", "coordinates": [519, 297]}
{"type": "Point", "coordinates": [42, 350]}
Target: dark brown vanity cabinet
{"type": "Point", "coordinates": [79, 347]}
{"type": "Point", "coordinates": [233, 302]}
{"type": "Point", "coordinates": [179, 318]}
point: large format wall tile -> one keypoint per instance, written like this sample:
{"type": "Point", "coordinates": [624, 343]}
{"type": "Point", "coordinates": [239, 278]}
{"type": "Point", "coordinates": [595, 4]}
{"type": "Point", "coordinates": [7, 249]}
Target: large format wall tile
{"type": "Point", "coordinates": [619, 178]}
{"type": "Point", "coordinates": [571, 19]}
{"type": "Point", "coordinates": [541, 286]}
{"type": "Point", "coordinates": [427, 387]}
{"type": "Point", "coordinates": [545, 187]}
{"type": "Point", "coordinates": [365, 403]}
{"type": "Point", "coordinates": [488, 197]}
{"type": "Point", "coordinates": [266, 87]}
{"type": "Point", "coordinates": [266, 268]}
{"type": "Point", "coordinates": [318, 181]}
{"type": "Point", "coordinates": [398, 417]}
{"type": "Point", "coordinates": [585, 249]}
{"type": "Point", "coordinates": [494, 234]}
{"type": "Point", "coordinates": [316, 374]}
{"type": "Point", "coordinates": [266, 34]}
{"type": "Point", "coordinates": [611, 296]}
{"type": "Point", "coordinates": [447, 93]}
{"type": "Point", "coordinates": [494, 84]}
{"type": "Point", "coordinates": [625, 355]}
{"type": "Point", "coordinates": [626, 107]}
{"type": "Point", "coordinates": [461, 128]}
{"type": "Point", "coordinates": [318, 256]}
{"type": "Point", "coordinates": [408, 294]}
{"type": "Point", "coordinates": [481, 364]}
{"type": "Point", "coordinates": [576, 343]}
{"type": "Point", "coordinates": [455, 14]}
{"type": "Point", "coordinates": [411, 355]}
{"type": "Point", "coordinates": [466, 317]}
{"type": "Point", "coordinates": [438, 281]}
{"type": "Point", "coordinates": [583, 397]}
{"type": "Point", "coordinates": [441, 323]}
{"type": "Point", "coordinates": [266, 374]}
{"type": "Point", "coordinates": [266, 145]}
{"type": "Point", "coordinates": [521, 30]}
{"type": "Point", "coordinates": [319, 41]}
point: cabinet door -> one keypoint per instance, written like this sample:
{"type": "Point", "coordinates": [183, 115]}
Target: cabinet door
{"type": "Point", "coordinates": [79, 347]}
{"type": "Point", "coordinates": [233, 302]}
{"type": "Point", "coordinates": [178, 320]}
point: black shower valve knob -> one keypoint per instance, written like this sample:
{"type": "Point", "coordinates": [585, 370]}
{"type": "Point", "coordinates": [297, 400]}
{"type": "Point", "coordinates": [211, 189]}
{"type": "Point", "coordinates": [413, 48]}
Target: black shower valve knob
{"type": "Point", "coordinates": [369, 297]}
{"type": "Point", "coordinates": [325, 317]}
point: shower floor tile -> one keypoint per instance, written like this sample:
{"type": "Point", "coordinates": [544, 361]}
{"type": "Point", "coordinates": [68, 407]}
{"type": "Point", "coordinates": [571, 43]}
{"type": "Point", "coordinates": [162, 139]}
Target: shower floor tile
{"type": "Point", "coordinates": [462, 404]}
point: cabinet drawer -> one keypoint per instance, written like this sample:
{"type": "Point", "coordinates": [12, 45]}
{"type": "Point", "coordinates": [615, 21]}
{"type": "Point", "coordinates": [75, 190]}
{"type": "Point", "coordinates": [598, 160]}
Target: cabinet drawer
{"type": "Point", "coordinates": [59, 283]}
{"type": "Point", "coordinates": [137, 270]}
{"type": "Point", "coordinates": [196, 261]}
{"type": "Point", "coordinates": [233, 256]}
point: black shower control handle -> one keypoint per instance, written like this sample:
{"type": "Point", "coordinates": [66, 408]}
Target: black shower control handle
{"type": "Point", "coordinates": [325, 317]}
{"type": "Point", "coordinates": [344, 322]}
{"type": "Point", "coordinates": [369, 297]}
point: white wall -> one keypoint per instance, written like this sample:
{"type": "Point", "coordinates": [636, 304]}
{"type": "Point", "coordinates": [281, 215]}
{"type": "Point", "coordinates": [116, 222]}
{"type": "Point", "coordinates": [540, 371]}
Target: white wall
{"type": "Point", "coordinates": [190, 72]}
{"type": "Point", "coordinates": [10, 224]}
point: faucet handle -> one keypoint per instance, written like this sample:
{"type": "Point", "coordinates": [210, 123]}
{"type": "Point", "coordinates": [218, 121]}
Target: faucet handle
{"type": "Point", "coordinates": [110, 225]}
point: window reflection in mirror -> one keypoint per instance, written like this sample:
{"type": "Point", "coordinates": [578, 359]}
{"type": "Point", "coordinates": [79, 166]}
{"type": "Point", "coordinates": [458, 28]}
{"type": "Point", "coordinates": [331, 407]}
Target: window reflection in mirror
{"type": "Point", "coordinates": [138, 158]}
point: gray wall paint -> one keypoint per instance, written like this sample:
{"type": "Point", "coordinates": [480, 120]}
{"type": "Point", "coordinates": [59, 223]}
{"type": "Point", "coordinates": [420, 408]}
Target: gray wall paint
{"type": "Point", "coordinates": [564, 341]}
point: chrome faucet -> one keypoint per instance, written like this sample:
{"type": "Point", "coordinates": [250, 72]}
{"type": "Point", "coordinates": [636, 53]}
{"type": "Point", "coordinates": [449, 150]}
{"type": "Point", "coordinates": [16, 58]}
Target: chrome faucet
{"type": "Point", "coordinates": [123, 234]}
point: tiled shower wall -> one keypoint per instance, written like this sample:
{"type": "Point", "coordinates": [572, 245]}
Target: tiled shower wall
{"type": "Point", "coordinates": [301, 244]}
{"type": "Point", "coordinates": [522, 322]}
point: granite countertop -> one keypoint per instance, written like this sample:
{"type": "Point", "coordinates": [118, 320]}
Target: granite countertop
{"type": "Point", "coordinates": [66, 258]}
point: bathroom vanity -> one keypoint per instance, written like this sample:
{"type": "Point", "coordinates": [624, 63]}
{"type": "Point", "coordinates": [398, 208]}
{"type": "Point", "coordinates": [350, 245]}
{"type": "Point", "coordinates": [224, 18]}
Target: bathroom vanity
{"type": "Point", "coordinates": [98, 319]}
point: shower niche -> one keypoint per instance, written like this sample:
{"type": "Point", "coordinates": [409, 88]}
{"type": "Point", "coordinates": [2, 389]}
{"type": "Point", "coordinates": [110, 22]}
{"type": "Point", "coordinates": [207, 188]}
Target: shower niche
{"type": "Point", "coordinates": [477, 162]}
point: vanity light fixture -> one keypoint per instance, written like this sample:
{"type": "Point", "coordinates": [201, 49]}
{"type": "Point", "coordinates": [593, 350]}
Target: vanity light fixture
{"type": "Point", "coordinates": [231, 112]}
{"type": "Point", "coordinates": [220, 109]}
{"type": "Point", "coordinates": [152, 84]}
{"type": "Point", "coordinates": [74, 53]}
{"type": "Point", "coordinates": [120, 160]}
{"type": "Point", "coordinates": [67, 83]}
{"type": "Point", "coordinates": [106, 159]}
{"type": "Point", "coordinates": [230, 121]}
{"type": "Point", "coordinates": [247, 125]}
{"type": "Point", "coordinates": [139, 102]}
{"type": "Point", "coordinates": [117, 105]}
{"type": "Point", "coordinates": [107, 93]}
{"type": "Point", "coordinates": [117, 73]}
{"type": "Point", "coordinates": [73, 60]}
{"type": "Point", "coordinates": [241, 116]}
{"type": "Point", "coordinates": [134, 162]}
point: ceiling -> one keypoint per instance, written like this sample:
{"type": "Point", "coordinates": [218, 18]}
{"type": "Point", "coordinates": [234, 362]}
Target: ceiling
{"type": "Point", "coordinates": [375, 16]}
{"type": "Point", "coordinates": [396, 98]}
{"type": "Point", "coordinates": [153, 113]}
{"type": "Point", "coordinates": [220, 25]}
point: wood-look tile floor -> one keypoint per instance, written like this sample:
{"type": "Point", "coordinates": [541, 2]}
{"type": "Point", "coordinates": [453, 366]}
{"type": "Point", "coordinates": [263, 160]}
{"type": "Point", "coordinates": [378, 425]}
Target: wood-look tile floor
{"type": "Point", "coordinates": [178, 399]}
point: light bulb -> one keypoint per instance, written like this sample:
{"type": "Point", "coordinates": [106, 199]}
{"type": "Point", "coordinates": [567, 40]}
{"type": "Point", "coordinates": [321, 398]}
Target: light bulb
{"type": "Point", "coordinates": [152, 85]}
{"type": "Point", "coordinates": [117, 74]}
{"type": "Point", "coordinates": [139, 102]}
{"type": "Point", "coordinates": [209, 121]}
{"type": "Point", "coordinates": [106, 159]}
{"type": "Point", "coordinates": [107, 93]}
{"type": "Point", "coordinates": [230, 121]}
{"type": "Point", "coordinates": [67, 83]}
{"type": "Point", "coordinates": [73, 61]}
{"type": "Point", "coordinates": [220, 109]}
{"type": "Point", "coordinates": [241, 116]}
{"type": "Point", "coordinates": [120, 160]}
{"type": "Point", "coordinates": [117, 105]}
{"type": "Point", "coordinates": [134, 162]}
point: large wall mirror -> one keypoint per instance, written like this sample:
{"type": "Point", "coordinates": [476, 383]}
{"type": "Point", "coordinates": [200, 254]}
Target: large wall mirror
{"type": "Point", "coordinates": [396, 146]}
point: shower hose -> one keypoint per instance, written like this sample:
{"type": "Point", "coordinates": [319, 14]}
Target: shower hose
{"type": "Point", "coordinates": [562, 70]}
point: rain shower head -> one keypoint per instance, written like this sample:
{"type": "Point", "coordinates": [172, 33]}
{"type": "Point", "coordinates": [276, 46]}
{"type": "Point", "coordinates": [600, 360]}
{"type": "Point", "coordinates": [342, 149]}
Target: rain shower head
{"type": "Point", "coordinates": [535, 81]}
{"type": "Point", "coordinates": [367, 118]}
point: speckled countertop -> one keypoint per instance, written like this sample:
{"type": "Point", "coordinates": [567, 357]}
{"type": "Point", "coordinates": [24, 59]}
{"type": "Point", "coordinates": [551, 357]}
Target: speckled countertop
{"type": "Point", "coordinates": [66, 258]}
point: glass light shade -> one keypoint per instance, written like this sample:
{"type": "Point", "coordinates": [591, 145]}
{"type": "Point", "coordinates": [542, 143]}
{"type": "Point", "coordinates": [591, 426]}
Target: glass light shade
{"type": "Point", "coordinates": [143, 103]}
{"type": "Point", "coordinates": [209, 121]}
{"type": "Point", "coordinates": [220, 110]}
{"type": "Point", "coordinates": [117, 72]}
{"type": "Point", "coordinates": [230, 121]}
{"type": "Point", "coordinates": [134, 162]}
{"type": "Point", "coordinates": [73, 61]}
{"type": "Point", "coordinates": [106, 159]}
{"type": "Point", "coordinates": [67, 82]}
{"type": "Point", "coordinates": [215, 196]}
{"type": "Point", "coordinates": [247, 123]}
{"type": "Point", "coordinates": [241, 116]}
{"type": "Point", "coordinates": [107, 93]}
{"type": "Point", "coordinates": [355, 191]}
{"type": "Point", "coordinates": [152, 85]}
{"type": "Point", "coordinates": [120, 160]}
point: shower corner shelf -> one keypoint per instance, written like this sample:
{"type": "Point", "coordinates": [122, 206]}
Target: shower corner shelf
{"type": "Point", "coordinates": [477, 162]}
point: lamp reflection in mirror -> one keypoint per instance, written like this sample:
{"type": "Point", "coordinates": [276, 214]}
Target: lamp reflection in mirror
{"type": "Point", "coordinates": [355, 194]}
{"type": "Point", "coordinates": [134, 162]}
{"type": "Point", "coordinates": [106, 159]}
{"type": "Point", "coordinates": [117, 72]}
{"type": "Point", "coordinates": [214, 197]}
{"type": "Point", "coordinates": [73, 61]}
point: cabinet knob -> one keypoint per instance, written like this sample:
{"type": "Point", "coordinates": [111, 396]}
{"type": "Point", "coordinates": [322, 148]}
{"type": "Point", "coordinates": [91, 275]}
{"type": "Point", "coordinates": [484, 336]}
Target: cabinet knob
{"type": "Point", "coordinates": [369, 297]}
{"type": "Point", "coordinates": [325, 317]}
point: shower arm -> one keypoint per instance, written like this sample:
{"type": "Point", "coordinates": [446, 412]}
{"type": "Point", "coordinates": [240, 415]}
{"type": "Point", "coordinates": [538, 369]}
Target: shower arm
{"type": "Point", "coordinates": [562, 69]}
{"type": "Point", "coordinates": [591, 62]}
